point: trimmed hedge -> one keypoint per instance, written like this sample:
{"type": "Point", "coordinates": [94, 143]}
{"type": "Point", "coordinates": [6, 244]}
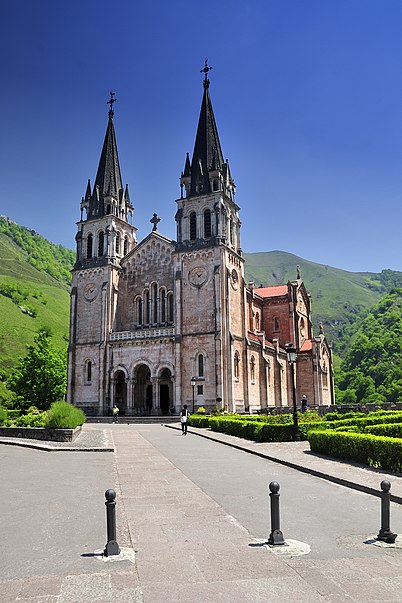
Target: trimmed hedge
{"type": "Point", "coordinates": [391, 430]}
{"type": "Point", "coordinates": [375, 451]}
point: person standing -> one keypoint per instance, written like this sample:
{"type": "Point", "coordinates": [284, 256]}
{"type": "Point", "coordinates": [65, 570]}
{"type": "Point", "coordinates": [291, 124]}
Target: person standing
{"type": "Point", "coordinates": [115, 412]}
{"type": "Point", "coordinates": [184, 414]}
{"type": "Point", "coordinates": [304, 404]}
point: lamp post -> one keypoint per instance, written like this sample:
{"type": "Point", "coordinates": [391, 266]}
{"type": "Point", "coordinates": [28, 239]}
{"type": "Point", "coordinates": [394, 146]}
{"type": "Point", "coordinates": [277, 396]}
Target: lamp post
{"type": "Point", "coordinates": [193, 382]}
{"type": "Point", "coordinates": [291, 354]}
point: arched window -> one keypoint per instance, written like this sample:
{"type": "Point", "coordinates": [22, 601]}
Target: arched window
{"type": "Point", "coordinates": [170, 307]}
{"type": "Point", "coordinates": [125, 247]}
{"type": "Point", "coordinates": [200, 365]}
{"type": "Point", "coordinates": [215, 185]}
{"type": "Point", "coordinates": [231, 232]}
{"type": "Point", "coordinates": [207, 224]}
{"type": "Point", "coordinates": [252, 368]}
{"type": "Point", "coordinates": [89, 246]}
{"type": "Point", "coordinates": [257, 322]}
{"type": "Point", "coordinates": [101, 239]}
{"type": "Point", "coordinates": [89, 371]}
{"type": "Point", "coordinates": [193, 226]}
{"type": "Point", "coordinates": [155, 302]}
{"type": "Point", "coordinates": [118, 242]}
{"type": "Point", "coordinates": [276, 323]}
{"type": "Point", "coordinates": [163, 305]}
{"type": "Point", "coordinates": [236, 364]}
{"type": "Point", "coordinates": [140, 311]}
{"type": "Point", "coordinates": [147, 308]}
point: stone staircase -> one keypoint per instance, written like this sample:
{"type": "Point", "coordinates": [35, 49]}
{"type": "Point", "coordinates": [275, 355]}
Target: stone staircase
{"type": "Point", "coordinates": [136, 419]}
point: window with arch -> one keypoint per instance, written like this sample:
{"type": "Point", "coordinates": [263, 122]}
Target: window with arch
{"type": "Point", "coordinates": [200, 363]}
{"type": "Point", "coordinates": [118, 242]}
{"type": "Point", "coordinates": [207, 224]}
{"type": "Point", "coordinates": [147, 308]}
{"type": "Point", "coordinates": [257, 321]}
{"type": "Point", "coordinates": [237, 365]}
{"type": "Point", "coordinates": [252, 369]}
{"type": "Point", "coordinates": [88, 371]}
{"type": "Point", "coordinates": [89, 246]}
{"type": "Point", "coordinates": [276, 323]}
{"type": "Point", "coordinates": [155, 303]}
{"type": "Point", "coordinates": [101, 242]}
{"type": "Point", "coordinates": [231, 232]}
{"type": "Point", "coordinates": [125, 246]}
{"type": "Point", "coordinates": [170, 308]}
{"type": "Point", "coordinates": [163, 305]}
{"type": "Point", "coordinates": [140, 316]}
{"type": "Point", "coordinates": [215, 185]}
{"type": "Point", "coordinates": [193, 226]}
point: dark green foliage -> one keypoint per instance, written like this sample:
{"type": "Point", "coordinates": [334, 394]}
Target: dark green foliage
{"type": "Point", "coordinates": [381, 452]}
{"type": "Point", "coordinates": [372, 369]}
{"type": "Point", "coordinates": [31, 420]}
{"type": "Point", "coordinates": [40, 377]}
{"type": "Point", "coordinates": [64, 416]}
{"type": "Point", "coordinates": [3, 415]}
{"type": "Point", "coordinates": [199, 420]}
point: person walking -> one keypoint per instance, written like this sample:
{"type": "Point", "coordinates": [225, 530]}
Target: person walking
{"type": "Point", "coordinates": [115, 412]}
{"type": "Point", "coordinates": [184, 414]}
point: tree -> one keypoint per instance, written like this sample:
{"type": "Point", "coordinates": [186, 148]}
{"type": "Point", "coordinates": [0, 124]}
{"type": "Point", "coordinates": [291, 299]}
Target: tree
{"type": "Point", "coordinates": [40, 377]}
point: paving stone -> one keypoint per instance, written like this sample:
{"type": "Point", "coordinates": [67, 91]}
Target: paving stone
{"type": "Point", "coordinates": [39, 586]}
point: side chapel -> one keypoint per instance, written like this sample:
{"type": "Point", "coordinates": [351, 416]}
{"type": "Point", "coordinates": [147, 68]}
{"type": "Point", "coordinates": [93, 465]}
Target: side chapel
{"type": "Point", "coordinates": [158, 323]}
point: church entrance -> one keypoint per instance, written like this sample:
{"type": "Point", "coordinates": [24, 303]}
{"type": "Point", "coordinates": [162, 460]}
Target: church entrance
{"type": "Point", "coordinates": [165, 391]}
{"type": "Point", "coordinates": [143, 390]}
{"type": "Point", "coordinates": [120, 392]}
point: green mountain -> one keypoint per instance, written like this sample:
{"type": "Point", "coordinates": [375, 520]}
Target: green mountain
{"type": "Point", "coordinates": [338, 297]}
{"type": "Point", "coordinates": [372, 368]}
{"type": "Point", "coordinates": [34, 291]}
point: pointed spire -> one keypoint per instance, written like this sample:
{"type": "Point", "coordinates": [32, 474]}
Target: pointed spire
{"type": "Point", "coordinates": [108, 179]}
{"type": "Point", "coordinates": [88, 192]}
{"type": "Point", "coordinates": [127, 195]}
{"type": "Point", "coordinates": [207, 147]}
{"type": "Point", "coordinates": [187, 167]}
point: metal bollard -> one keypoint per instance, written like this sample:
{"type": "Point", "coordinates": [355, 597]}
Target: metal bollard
{"type": "Point", "coordinates": [111, 548]}
{"type": "Point", "coordinates": [385, 534]}
{"type": "Point", "coordinates": [276, 536]}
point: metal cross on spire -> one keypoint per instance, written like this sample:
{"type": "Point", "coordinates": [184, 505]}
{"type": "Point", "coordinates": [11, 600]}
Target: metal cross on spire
{"type": "Point", "coordinates": [110, 102]}
{"type": "Point", "coordinates": [205, 70]}
{"type": "Point", "coordinates": [155, 221]}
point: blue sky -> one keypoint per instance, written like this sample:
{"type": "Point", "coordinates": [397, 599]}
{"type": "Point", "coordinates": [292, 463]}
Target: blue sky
{"type": "Point", "coordinates": [307, 95]}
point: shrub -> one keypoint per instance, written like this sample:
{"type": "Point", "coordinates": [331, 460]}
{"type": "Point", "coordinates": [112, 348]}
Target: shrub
{"type": "Point", "coordinates": [31, 420]}
{"type": "Point", "coordinates": [201, 410]}
{"type": "Point", "coordinates": [3, 415]}
{"type": "Point", "coordinates": [376, 451]}
{"type": "Point", "coordinates": [199, 421]}
{"type": "Point", "coordinates": [391, 430]}
{"type": "Point", "coordinates": [64, 416]}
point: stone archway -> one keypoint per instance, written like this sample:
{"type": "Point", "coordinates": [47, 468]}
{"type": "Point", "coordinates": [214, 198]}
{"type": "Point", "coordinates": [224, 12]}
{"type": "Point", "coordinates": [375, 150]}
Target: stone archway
{"type": "Point", "coordinates": [120, 392]}
{"type": "Point", "coordinates": [143, 390]}
{"type": "Point", "coordinates": [165, 391]}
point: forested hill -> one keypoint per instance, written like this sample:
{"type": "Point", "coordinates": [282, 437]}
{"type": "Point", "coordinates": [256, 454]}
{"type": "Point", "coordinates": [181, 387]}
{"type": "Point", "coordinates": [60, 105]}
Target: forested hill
{"type": "Point", "coordinates": [34, 291]}
{"type": "Point", "coordinates": [338, 297]}
{"type": "Point", "coordinates": [372, 368]}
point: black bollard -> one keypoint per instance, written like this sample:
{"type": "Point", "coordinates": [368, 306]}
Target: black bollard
{"type": "Point", "coordinates": [385, 534]}
{"type": "Point", "coordinates": [111, 548]}
{"type": "Point", "coordinates": [276, 536]}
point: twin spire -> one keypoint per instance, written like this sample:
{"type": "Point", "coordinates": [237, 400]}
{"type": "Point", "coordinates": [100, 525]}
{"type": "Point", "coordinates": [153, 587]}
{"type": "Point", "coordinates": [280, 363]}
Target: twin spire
{"type": "Point", "coordinates": [207, 171]}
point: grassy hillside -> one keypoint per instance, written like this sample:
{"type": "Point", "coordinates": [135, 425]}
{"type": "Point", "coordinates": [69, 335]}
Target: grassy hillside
{"type": "Point", "coordinates": [31, 297]}
{"type": "Point", "coordinates": [338, 296]}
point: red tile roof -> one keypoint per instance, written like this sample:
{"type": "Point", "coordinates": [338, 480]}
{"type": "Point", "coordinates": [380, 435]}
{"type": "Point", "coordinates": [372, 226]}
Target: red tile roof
{"type": "Point", "coordinates": [276, 291]}
{"type": "Point", "coordinates": [307, 346]}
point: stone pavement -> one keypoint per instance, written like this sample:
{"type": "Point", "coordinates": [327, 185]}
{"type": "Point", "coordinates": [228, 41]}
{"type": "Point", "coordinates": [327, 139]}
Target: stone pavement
{"type": "Point", "coordinates": [188, 549]}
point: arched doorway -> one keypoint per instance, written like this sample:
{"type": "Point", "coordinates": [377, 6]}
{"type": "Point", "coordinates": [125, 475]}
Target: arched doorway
{"type": "Point", "coordinates": [165, 391]}
{"type": "Point", "coordinates": [143, 390]}
{"type": "Point", "coordinates": [120, 392]}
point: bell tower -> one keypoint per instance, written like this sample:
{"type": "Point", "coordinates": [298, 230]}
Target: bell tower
{"type": "Point", "coordinates": [105, 235]}
{"type": "Point", "coordinates": [211, 268]}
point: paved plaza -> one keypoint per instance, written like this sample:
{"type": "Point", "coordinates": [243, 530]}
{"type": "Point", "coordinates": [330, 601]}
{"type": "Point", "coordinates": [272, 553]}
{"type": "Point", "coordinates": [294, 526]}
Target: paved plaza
{"type": "Point", "coordinates": [192, 521]}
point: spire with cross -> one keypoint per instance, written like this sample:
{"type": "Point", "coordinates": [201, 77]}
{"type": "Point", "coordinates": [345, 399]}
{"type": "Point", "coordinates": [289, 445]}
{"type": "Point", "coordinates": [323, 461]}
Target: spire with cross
{"type": "Point", "coordinates": [205, 70]}
{"type": "Point", "coordinates": [110, 102]}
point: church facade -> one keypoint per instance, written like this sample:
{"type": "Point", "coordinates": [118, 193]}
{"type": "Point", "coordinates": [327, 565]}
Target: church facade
{"type": "Point", "coordinates": [158, 323]}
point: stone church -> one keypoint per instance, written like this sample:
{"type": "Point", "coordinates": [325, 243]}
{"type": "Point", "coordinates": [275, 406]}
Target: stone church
{"type": "Point", "coordinates": [158, 323]}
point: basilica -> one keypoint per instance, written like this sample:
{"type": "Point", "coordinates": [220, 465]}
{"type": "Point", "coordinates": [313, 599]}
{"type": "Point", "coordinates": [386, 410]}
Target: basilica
{"type": "Point", "coordinates": [158, 323]}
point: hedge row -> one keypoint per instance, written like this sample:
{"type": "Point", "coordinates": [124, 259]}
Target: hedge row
{"type": "Point", "coordinates": [376, 451]}
{"type": "Point", "coordinates": [391, 430]}
{"type": "Point", "coordinates": [360, 423]}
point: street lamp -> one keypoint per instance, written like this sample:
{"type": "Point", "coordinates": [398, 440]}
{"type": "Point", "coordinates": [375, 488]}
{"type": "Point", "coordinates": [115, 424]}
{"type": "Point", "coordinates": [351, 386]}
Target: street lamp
{"type": "Point", "coordinates": [291, 354]}
{"type": "Point", "coordinates": [193, 382]}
